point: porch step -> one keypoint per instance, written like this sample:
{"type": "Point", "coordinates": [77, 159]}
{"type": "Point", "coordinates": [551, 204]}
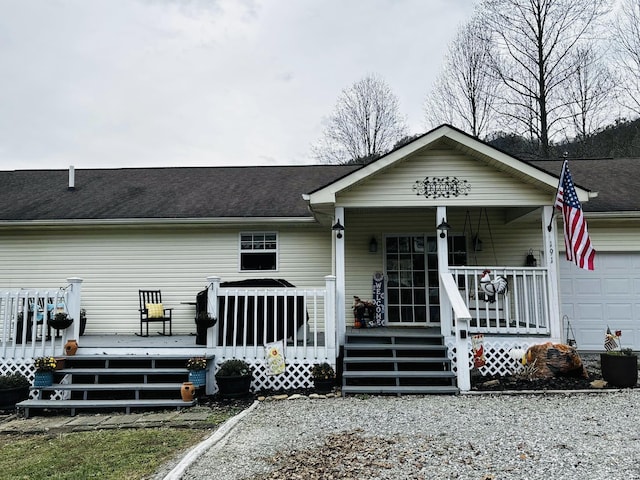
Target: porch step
{"type": "Point", "coordinates": [113, 382]}
{"type": "Point", "coordinates": [396, 362]}
{"type": "Point", "coordinates": [400, 390]}
{"type": "Point", "coordinates": [74, 405]}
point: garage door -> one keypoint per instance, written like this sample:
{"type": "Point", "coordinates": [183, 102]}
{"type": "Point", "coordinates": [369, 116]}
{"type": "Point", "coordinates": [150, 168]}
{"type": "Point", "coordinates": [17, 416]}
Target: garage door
{"type": "Point", "coordinates": [609, 295]}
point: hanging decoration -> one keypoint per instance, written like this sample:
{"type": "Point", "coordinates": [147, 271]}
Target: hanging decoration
{"type": "Point", "coordinates": [441, 187]}
{"type": "Point", "coordinates": [477, 345]}
{"type": "Point", "coordinates": [274, 358]}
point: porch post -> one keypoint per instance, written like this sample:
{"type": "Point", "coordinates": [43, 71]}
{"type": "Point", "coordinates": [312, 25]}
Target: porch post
{"type": "Point", "coordinates": [213, 283]}
{"type": "Point", "coordinates": [73, 305]}
{"type": "Point", "coordinates": [443, 267]}
{"type": "Point", "coordinates": [341, 305]}
{"type": "Point", "coordinates": [550, 242]}
{"type": "Point", "coordinates": [330, 331]}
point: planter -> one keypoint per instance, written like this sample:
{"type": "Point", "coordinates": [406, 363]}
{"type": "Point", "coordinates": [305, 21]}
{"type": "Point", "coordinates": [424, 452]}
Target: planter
{"type": "Point", "coordinates": [198, 377]}
{"type": "Point", "coordinates": [71, 347]}
{"type": "Point", "coordinates": [10, 396]}
{"type": "Point", "coordinates": [234, 387]}
{"type": "Point", "coordinates": [43, 379]}
{"type": "Point", "coordinates": [619, 370]}
{"type": "Point", "coordinates": [58, 323]}
{"type": "Point", "coordinates": [60, 361]}
{"type": "Point", "coordinates": [323, 385]}
{"type": "Point", "coordinates": [187, 391]}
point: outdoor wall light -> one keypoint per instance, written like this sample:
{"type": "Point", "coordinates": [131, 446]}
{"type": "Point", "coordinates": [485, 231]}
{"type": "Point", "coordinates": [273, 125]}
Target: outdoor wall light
{"type": "Point", "coordinates": [337, 227]}
{"type": "Point", "coordinates": [443, 228]}
{"type": "Point", "coordinates": [373, 245]}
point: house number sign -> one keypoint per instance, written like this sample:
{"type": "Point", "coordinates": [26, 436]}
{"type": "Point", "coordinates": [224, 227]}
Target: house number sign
{"type": "Point", "coordinates": [441, 187]}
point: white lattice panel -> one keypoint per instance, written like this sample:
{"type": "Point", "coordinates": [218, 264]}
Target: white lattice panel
{"type": "Point", "coordinates": [496, 352]}
{"type": "Point", "coordinates": [297, 375]}
{"type": "Point", "coordinates": [26, 369]}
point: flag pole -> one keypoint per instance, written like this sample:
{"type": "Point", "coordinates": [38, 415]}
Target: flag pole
{"type": "Point", "coordinates": [564, 165]}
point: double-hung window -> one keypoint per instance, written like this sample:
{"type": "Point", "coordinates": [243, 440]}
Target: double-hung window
{"type": "Point", "coordinates": [259, 251]}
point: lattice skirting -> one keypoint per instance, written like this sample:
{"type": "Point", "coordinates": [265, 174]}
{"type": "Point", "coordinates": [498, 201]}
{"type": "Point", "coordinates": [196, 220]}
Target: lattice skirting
{"type": "Point", "coordinates": [297, 375]}
{"type": "Point", "coordinates": [496, 352]}
{"type": "Point", "coordinates": [27, 369]}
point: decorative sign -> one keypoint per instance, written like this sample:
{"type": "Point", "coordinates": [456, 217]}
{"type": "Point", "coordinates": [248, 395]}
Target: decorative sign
{"type": "Point", "coordinates": [274, 358]}
{"type": "Point", "coordinates": [378, 299]}
{"type": "Point", "coordinates": [441, 187]}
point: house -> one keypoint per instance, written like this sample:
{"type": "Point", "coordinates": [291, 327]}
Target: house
{"type": "Point", "coordinates": [430, 217]}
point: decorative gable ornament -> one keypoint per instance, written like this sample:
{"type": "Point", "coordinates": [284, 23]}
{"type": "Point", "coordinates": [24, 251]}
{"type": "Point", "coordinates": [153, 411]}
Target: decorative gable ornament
{"type": "Point", "coordinates": [441, 187]}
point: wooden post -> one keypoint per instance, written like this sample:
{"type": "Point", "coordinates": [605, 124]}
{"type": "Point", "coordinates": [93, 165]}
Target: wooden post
{"type": "Point", "coordinates": [74, 298]}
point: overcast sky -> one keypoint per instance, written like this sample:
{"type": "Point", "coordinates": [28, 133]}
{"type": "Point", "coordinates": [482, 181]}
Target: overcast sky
{"type": "Point", "coordinates": [123, 83]}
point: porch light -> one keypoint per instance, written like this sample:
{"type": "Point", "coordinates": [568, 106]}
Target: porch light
{"type": "Point", "coordinates": [443, 228]}
{"type": "Point", "coordinates": [337, 227]}
{"type": "Point", "coordinates": [373, 245]}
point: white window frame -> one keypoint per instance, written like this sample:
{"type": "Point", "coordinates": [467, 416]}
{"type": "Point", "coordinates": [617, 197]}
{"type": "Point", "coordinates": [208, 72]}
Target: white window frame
{"type": "Point", "coordinates": [244, 251]}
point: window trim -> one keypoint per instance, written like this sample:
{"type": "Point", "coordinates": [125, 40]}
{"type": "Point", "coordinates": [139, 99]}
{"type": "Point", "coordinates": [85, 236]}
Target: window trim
{"type": "Point", "coordinates": [264, 233]}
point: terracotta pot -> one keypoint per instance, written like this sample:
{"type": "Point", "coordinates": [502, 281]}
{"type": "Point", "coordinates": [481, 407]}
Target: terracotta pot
{"type": "Point", "coordinates": [71, 347]}
{"type": "Point", "coordinates": [619, 370]}
{"type": "Point", "coordinates": [187, 391]}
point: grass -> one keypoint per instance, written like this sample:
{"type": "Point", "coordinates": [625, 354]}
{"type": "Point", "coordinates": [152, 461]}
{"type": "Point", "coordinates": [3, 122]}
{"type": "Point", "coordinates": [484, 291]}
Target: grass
{"type": "Point", "coordinates": [131, 454]}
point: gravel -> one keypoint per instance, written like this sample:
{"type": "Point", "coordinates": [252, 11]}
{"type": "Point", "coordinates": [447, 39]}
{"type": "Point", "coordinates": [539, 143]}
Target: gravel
{"type": "Point", "coordinates": [525, 436]}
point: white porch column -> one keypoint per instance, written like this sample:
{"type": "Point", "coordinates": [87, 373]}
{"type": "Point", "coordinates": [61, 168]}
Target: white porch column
{"type": "Point", "coordinates": [213, 283]}
{"type": "Point", "coordinates": [443, 267]}
{"type": "Point", "coordinates": [341, 305]}
{"type": "Point", "coordinates": [550, 242]}
{"type": "Point", "coordinates": [74, 298]}
{"type": "Point", "coordinates": [331, 333]}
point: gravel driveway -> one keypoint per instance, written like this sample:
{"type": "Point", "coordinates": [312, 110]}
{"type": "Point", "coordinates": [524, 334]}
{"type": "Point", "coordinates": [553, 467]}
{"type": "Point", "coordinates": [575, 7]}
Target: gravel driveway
{"type": "Point", "coordinates": [559, 436]}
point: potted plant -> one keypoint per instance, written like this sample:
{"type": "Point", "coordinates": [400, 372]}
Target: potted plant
{"type": "Point", "coordinates": [44, 371]}
{"type": "Point", "coordinates": [234, 378]}
{"type": "Point", "coordinates": [324, 377]}
{"type": "Point", "coordinates": [197, 370]}
{"type": "Point", "coordinates": [60, 321]}
{"type": "Point", "coordinates": [619, 366]}
{"type": "Point", "coordinates": [14, 387]}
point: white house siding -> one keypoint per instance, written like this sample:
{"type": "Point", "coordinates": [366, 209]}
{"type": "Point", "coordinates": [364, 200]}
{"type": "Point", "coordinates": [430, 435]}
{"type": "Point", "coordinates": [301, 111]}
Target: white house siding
{"type": "Point", "coordinates": [512, 241]}
{"type": "Point", "coordinates": [117, 261]}
{"type": "Point", "coordinates": [488, 186]}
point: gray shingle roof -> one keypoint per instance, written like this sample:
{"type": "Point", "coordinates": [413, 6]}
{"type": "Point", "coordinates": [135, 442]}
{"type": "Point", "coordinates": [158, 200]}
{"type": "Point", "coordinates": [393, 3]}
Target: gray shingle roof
{"type": "Point", "coordinates": [181, 192]}
{"type": "Point", "coordinates": [218, 192]}
{"type": "Point", "coordinates": [617, 181]}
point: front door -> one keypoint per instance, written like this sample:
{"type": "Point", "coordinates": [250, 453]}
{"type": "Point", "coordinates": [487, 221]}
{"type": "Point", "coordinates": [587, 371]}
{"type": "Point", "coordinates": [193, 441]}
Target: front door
{"type": "Point", "coordinates": [411, 270]}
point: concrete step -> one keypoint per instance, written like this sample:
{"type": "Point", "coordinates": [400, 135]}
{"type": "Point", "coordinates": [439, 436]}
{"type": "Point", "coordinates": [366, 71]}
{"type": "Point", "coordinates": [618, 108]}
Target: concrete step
{"type": "Point", "coordinates": [400, 390]}
{"type": "Point", "coordinates": [398, 374]}
{"type": "Point", "coordinates": [443, 360]}
{"type": "Point", "coordinates": [74, 405]}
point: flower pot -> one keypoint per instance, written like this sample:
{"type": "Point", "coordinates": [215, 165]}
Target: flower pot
{"type": "Point", "coordinates": [10, 396]}
{"type": "Point", "coordinates": [323, 385]}
{"type": "Point", "coordinates": [71, 347]}
{"type": "Point", "coordinates": [43, 379]}
{"type": "Point", "coordinates": [60, 323]}
{"type": "Point", "coordinates": [198, 377]}
{"type": "Point", "coordinates": [60, 361]}
{"type": "Point", "coordinates": [187, 391]}
{"type": "Point", "coordinates": [234, 387]}
{"type": "Point", "coordinates": [619, 370]}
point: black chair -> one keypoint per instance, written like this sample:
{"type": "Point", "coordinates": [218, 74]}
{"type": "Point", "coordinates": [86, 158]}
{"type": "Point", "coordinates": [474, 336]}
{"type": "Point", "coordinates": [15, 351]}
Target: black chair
{"type": "Point", "coordinates": [152, 310]}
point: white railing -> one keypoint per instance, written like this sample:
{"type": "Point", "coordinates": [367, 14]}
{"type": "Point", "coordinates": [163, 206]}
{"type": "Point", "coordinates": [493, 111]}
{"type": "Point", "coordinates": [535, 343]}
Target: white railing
{"type": "Point", "coordinates": [522, 310]}
{"type": "Point", "coordinates": [25, 314]}
{"type": "Point", "coordinates": [250, 318]}
{"type": "Point", "coordinates": [461, 318]}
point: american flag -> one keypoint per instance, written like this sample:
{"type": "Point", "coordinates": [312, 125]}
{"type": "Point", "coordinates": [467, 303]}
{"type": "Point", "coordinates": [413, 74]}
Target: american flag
{"type": "Point", "coordinates": [576, 236]}
{"type": "Point", "coordinates": [610, 341]}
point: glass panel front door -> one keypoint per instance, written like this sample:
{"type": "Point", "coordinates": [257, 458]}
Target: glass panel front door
{"type": "Point", "coordinates": [405, 265]}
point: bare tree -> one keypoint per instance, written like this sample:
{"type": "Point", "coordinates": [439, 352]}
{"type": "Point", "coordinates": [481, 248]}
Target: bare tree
{"type": "Point", "coordinates": [465, 89]}
{"type": "Point", "coordinates": [533, 41]}
{"type": "Point", "coordinates": [626, 42]}
{"type": "Point", "coordinates": [589, 91]}
{"type": "Point", "coordinates": [365, 124]}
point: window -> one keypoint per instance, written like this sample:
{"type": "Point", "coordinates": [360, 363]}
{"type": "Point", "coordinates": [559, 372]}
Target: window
{"type": "Point", "coordinates": [258, 251]}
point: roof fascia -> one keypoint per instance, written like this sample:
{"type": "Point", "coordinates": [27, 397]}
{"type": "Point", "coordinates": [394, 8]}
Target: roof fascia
{"type": "Point", "coordinates": [157, 221]}
{"type": "Point", "coordinates": [457, 139]}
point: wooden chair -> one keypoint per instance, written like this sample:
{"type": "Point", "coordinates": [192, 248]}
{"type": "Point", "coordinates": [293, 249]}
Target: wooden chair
{"type": "Point", "coordinates": [152, 310]}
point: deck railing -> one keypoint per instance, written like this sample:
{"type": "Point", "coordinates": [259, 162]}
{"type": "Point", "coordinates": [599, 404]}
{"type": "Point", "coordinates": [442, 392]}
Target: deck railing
{"type": "Point", "coordinates": [25, 314]}
{"type": "Point", "coordinates": [303, 319]}
{"type": "Point", "coordinates": [522, 310]}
